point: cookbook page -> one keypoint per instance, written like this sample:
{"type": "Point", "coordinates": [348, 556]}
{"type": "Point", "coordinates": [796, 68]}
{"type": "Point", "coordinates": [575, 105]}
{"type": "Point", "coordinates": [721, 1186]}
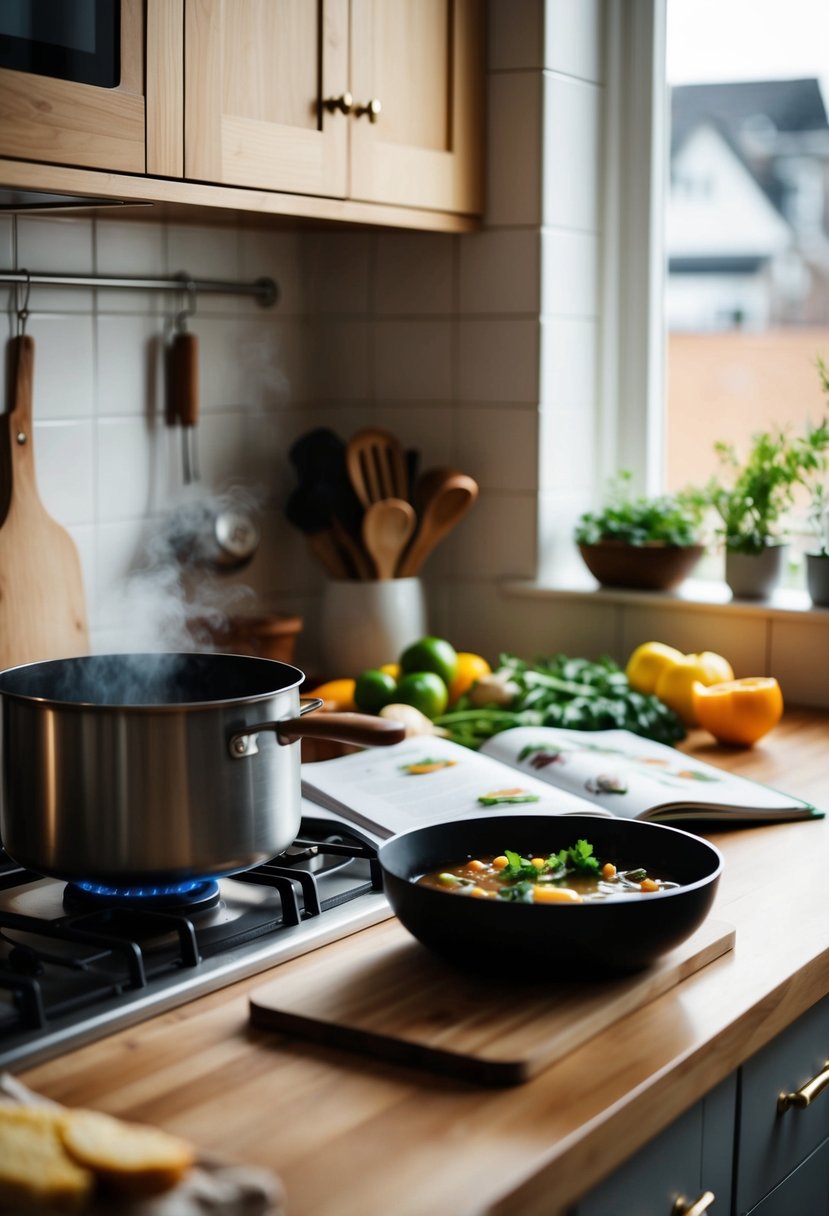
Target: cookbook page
{"type": "Point", "coordinates": [426, 779]}
{"type": "Point", "coordinates": [631, 776]}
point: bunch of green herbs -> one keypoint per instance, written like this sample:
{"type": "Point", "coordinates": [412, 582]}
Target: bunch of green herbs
{"type": "Point", "coordinates": [668, 519]}
{"type": "Point", "coordinates": [562, 691]}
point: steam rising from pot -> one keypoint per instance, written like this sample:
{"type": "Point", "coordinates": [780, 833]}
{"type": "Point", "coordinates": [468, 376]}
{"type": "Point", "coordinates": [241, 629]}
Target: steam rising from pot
{"type": "Point", "coordinates": [174, 600]}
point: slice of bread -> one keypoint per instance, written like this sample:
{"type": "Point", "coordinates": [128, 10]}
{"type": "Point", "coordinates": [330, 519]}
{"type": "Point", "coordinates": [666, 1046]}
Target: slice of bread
{"type": "Point", "coordinates": [133, 1157]}
{"type": "Point", "coordinates": [35, 1169]}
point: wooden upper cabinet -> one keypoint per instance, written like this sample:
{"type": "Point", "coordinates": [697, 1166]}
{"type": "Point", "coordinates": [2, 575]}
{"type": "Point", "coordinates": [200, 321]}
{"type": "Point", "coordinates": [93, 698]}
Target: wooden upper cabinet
{"type": "Point", "coordinates": [421, 62]}
{"type": "Point", "coordinates": [271, 102]}
{"type": "Point", "coordinates": [255, 74]}
{"type": "Point", "coordinates": [61, 122]}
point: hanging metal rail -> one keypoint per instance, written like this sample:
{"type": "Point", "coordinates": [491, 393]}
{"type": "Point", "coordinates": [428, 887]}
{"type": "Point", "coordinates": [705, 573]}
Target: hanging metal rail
{"type": "Point", "coordinates": [264, 291]}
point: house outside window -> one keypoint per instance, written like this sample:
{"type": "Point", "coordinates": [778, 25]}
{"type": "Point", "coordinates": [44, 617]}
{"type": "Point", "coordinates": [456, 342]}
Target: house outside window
{"type": "Point", "coordinates": [746, 234]}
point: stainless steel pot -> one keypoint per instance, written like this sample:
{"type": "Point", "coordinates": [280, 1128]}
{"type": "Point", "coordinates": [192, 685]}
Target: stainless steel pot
{"type": "Point", "coordinates": [157, 768]}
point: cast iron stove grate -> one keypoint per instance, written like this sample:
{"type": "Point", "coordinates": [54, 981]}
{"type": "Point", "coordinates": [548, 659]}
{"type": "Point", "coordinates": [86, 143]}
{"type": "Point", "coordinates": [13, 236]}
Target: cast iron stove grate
{"type": "Point", "coordinates": [69, 963]}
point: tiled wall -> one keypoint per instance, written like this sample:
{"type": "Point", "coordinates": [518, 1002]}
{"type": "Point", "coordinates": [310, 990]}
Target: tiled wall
{"type": "Point", "coordinates": [436, 337]}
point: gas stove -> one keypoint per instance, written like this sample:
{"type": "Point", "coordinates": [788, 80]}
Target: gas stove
{"type": "Point", "coordinates": [77, 964]}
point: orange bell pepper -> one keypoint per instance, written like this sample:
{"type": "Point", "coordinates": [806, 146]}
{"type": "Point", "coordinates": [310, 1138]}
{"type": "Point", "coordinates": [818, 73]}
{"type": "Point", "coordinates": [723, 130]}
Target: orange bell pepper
{"type": "Point", "coordinates": [739, 711]}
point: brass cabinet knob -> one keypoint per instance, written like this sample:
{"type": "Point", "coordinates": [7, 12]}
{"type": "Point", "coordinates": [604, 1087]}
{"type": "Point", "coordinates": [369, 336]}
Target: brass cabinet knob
{"type": "Point", "coordinates": [372, 108]}
{"type": "Point", "coordinates": [344, 103]}
{"type": "Point", "coordinates": [806, 1095]}
{"type": "Point", "coordinates": [693, 1207]}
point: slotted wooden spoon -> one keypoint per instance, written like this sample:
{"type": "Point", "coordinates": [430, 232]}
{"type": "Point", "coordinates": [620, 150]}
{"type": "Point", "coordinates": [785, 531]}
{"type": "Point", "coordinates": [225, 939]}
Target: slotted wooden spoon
{"type": "Point", "coordinates": [376, 465]}
{"type": "Point", "coordinates": [388, 526]}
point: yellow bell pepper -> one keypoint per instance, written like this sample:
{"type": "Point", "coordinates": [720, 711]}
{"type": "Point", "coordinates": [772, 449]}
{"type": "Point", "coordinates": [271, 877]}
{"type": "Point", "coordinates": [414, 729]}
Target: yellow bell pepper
{"type": "Point", "coordinates": [675, 685]}
{"type": "Point", "coordinates": [739, 711]}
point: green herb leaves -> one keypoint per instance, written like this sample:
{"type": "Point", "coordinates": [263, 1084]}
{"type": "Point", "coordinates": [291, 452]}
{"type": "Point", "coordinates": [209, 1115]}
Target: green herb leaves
{"type": "Point", "coordinates": [672, 519]}
{"type": "Point", "coordinates": [578, 858]}
{"type": "Point", "coordinates": [569, 692]}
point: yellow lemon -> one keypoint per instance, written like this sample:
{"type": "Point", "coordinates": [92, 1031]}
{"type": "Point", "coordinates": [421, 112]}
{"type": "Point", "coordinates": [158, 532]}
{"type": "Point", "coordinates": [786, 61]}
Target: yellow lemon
{"type": "Point", "coordinates": [675, 685]}
{"type": "Point", "coordinates": [647, 663]}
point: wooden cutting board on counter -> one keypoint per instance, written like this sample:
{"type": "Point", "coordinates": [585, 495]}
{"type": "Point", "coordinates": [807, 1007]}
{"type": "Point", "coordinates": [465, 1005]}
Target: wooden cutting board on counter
{"type": "Point", "coordinates": [379, 992]}
{"type": "Point", "coordinates": [42, 605]}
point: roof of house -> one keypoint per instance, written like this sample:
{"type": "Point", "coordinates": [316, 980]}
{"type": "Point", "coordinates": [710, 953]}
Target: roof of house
{"type": "Point", "coordinates": [791, 105]}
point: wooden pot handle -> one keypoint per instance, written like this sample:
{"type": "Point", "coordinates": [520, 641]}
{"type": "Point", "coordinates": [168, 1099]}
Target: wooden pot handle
{"type": "Point", "coordinates": [362, 730]}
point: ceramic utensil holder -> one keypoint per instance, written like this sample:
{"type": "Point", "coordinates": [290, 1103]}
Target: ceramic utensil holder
{"type": "Point", "coordinates": [366, 623]}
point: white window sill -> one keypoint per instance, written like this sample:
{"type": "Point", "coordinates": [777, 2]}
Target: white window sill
{"type": "Point", "coordinates": [704, 595]}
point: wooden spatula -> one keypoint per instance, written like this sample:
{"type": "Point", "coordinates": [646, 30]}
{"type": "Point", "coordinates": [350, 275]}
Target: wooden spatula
{"type": "Point", "coordinates": [376, 465]}
{"type": "Point", "coordinates": [42, 605]}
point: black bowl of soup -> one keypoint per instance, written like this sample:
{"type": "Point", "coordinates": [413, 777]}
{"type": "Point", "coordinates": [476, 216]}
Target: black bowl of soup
{"type": "Point", "coordinates": [430, 876]}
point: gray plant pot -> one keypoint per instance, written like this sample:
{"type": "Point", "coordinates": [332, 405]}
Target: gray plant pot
{"type": "Point", "coordinates": [753, 576]}
{"type": "Point", "coordinates": [817, 578]}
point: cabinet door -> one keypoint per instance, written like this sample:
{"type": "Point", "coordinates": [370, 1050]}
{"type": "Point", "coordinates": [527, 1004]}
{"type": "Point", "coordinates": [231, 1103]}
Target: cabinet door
{"type": "Point", "coordinates": [771, 1142]}
{"type": "Point", "coordinates": [64, 123]}
{"type": "Point", "coordinates": [805, 1191]}
{"type": "Point", "coordinates": [256, 72]}
{"type": "Point", "coordinates": [691, 1156]}
{"type": "Point", "coordinates": [423, 61]}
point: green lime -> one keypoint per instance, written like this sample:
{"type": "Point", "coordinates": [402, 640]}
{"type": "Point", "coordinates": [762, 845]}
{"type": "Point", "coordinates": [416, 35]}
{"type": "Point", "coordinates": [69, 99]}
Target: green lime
{"type": "Point", "coordinates": [425, 690]}
{"type": "Point", "coordinates": [431, 654]}
{"type": "Point", "coordinates": [373, 689]}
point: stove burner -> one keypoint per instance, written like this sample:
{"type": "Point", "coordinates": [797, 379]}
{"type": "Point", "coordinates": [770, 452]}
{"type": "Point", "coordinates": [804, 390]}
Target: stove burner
{"type": "Point", "coordinates": [198, 893]}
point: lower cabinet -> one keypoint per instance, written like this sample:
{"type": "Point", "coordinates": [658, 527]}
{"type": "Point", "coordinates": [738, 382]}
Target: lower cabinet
{"type": "Point", "coordinates": [758, 1144]}
{"type": "Point", "coordinates": [692, 1156]}
{"type": "Point", "coordinates": [804, 1193]}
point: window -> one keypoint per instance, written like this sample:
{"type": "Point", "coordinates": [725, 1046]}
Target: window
{"type": "Point", "coordinates": [716, 228]}
{"type": "Point", "coordinates": [746, 224]}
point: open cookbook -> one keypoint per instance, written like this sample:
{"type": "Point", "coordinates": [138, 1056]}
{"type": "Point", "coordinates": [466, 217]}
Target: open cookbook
{"type": "Point", "coordinates": [530, 768]}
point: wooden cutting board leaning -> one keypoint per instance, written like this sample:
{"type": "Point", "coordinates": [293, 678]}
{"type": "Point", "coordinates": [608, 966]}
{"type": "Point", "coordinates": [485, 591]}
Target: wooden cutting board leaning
{"type": "Point", "coordinates": [42, 605]}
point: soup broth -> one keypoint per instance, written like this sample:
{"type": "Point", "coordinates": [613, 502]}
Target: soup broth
{"type": "Point", "coordinates": [571, 876]}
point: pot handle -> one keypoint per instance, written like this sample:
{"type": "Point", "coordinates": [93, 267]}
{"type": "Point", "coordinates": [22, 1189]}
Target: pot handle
{"type": "Point", "coordinates": [362, 730]}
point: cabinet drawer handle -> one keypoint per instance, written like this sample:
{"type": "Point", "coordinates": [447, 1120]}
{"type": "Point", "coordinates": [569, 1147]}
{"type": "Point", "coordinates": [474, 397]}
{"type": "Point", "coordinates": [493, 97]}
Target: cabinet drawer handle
{"type": "Point", "coordinates": [684, 1207]}
{"type": "Point", "coordinates": [372, 108]}
{"type": "Point", "coordinates": [805, 1097]}
{"type": "Point", "coordinates": [344, 103]}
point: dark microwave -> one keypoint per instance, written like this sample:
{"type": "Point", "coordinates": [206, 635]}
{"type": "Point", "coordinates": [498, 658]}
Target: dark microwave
{"type": "Point", "coordinates": [76, 40]}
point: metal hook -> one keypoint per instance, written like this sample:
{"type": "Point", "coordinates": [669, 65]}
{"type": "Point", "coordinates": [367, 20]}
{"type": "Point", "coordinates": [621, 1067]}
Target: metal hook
{"type": "Point", "coordinates": [189, 309]}
{"type": "Point", "coordinates": [23, 313]}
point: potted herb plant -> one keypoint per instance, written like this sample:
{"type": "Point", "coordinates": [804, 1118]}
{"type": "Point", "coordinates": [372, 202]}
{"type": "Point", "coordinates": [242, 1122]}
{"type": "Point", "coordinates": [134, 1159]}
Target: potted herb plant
{"type": "Point", "coordinates": [754, 499]}
{"type": "Point", "coordinates": [640, 541]}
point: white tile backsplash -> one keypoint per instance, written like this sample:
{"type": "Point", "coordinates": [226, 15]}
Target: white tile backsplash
{"type": "Point", "coordinates": [516, 34]}
{"type": "Point", "coordinates": [572, 153]}
{"type": "Point", "coordinates": [499, 446]}
{"type": "Point", "coordinates": [500, 271]}
{"type": "Point", "coordinates": [64, 380]}
{"type": "Point", "coordinates": [413, 360]}
{"type": "Point", "coordinates": [513, 154]}
{"type": "Point", "coordinates": [569, 361]}
{"type": "Point", "coordinates": [56, 246]}
{"type": "Point", "coordinates": [64, 470]}
{"type": "Point", "coordinates": [569, 273]}
{"type": "Point", "coordinates": [127, 456]}
{"type": "Point", "coordinates": [414, 274]}
{"type": "Point", "coordinates": [129, 354]}
{"type": "Point", "coordinates": [498, 359]}
{"type": "Point", "coordinates": [572, 38]}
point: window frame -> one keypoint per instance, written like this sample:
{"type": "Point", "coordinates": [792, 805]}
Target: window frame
{"type": "Point", "coordinates": [632, 379]}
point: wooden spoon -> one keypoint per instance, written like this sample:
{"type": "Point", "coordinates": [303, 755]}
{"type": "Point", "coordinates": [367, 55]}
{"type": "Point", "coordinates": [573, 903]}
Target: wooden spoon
{"type": "Point", "coordinates": [445, 506]}
{"type": "Point", "coordinates": [387, 529]}
{"type": "Point", "coordinates": [376, 465]}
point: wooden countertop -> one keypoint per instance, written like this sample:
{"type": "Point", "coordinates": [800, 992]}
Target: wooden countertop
{"type": "Point", "coordinates": [353, 1137]}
